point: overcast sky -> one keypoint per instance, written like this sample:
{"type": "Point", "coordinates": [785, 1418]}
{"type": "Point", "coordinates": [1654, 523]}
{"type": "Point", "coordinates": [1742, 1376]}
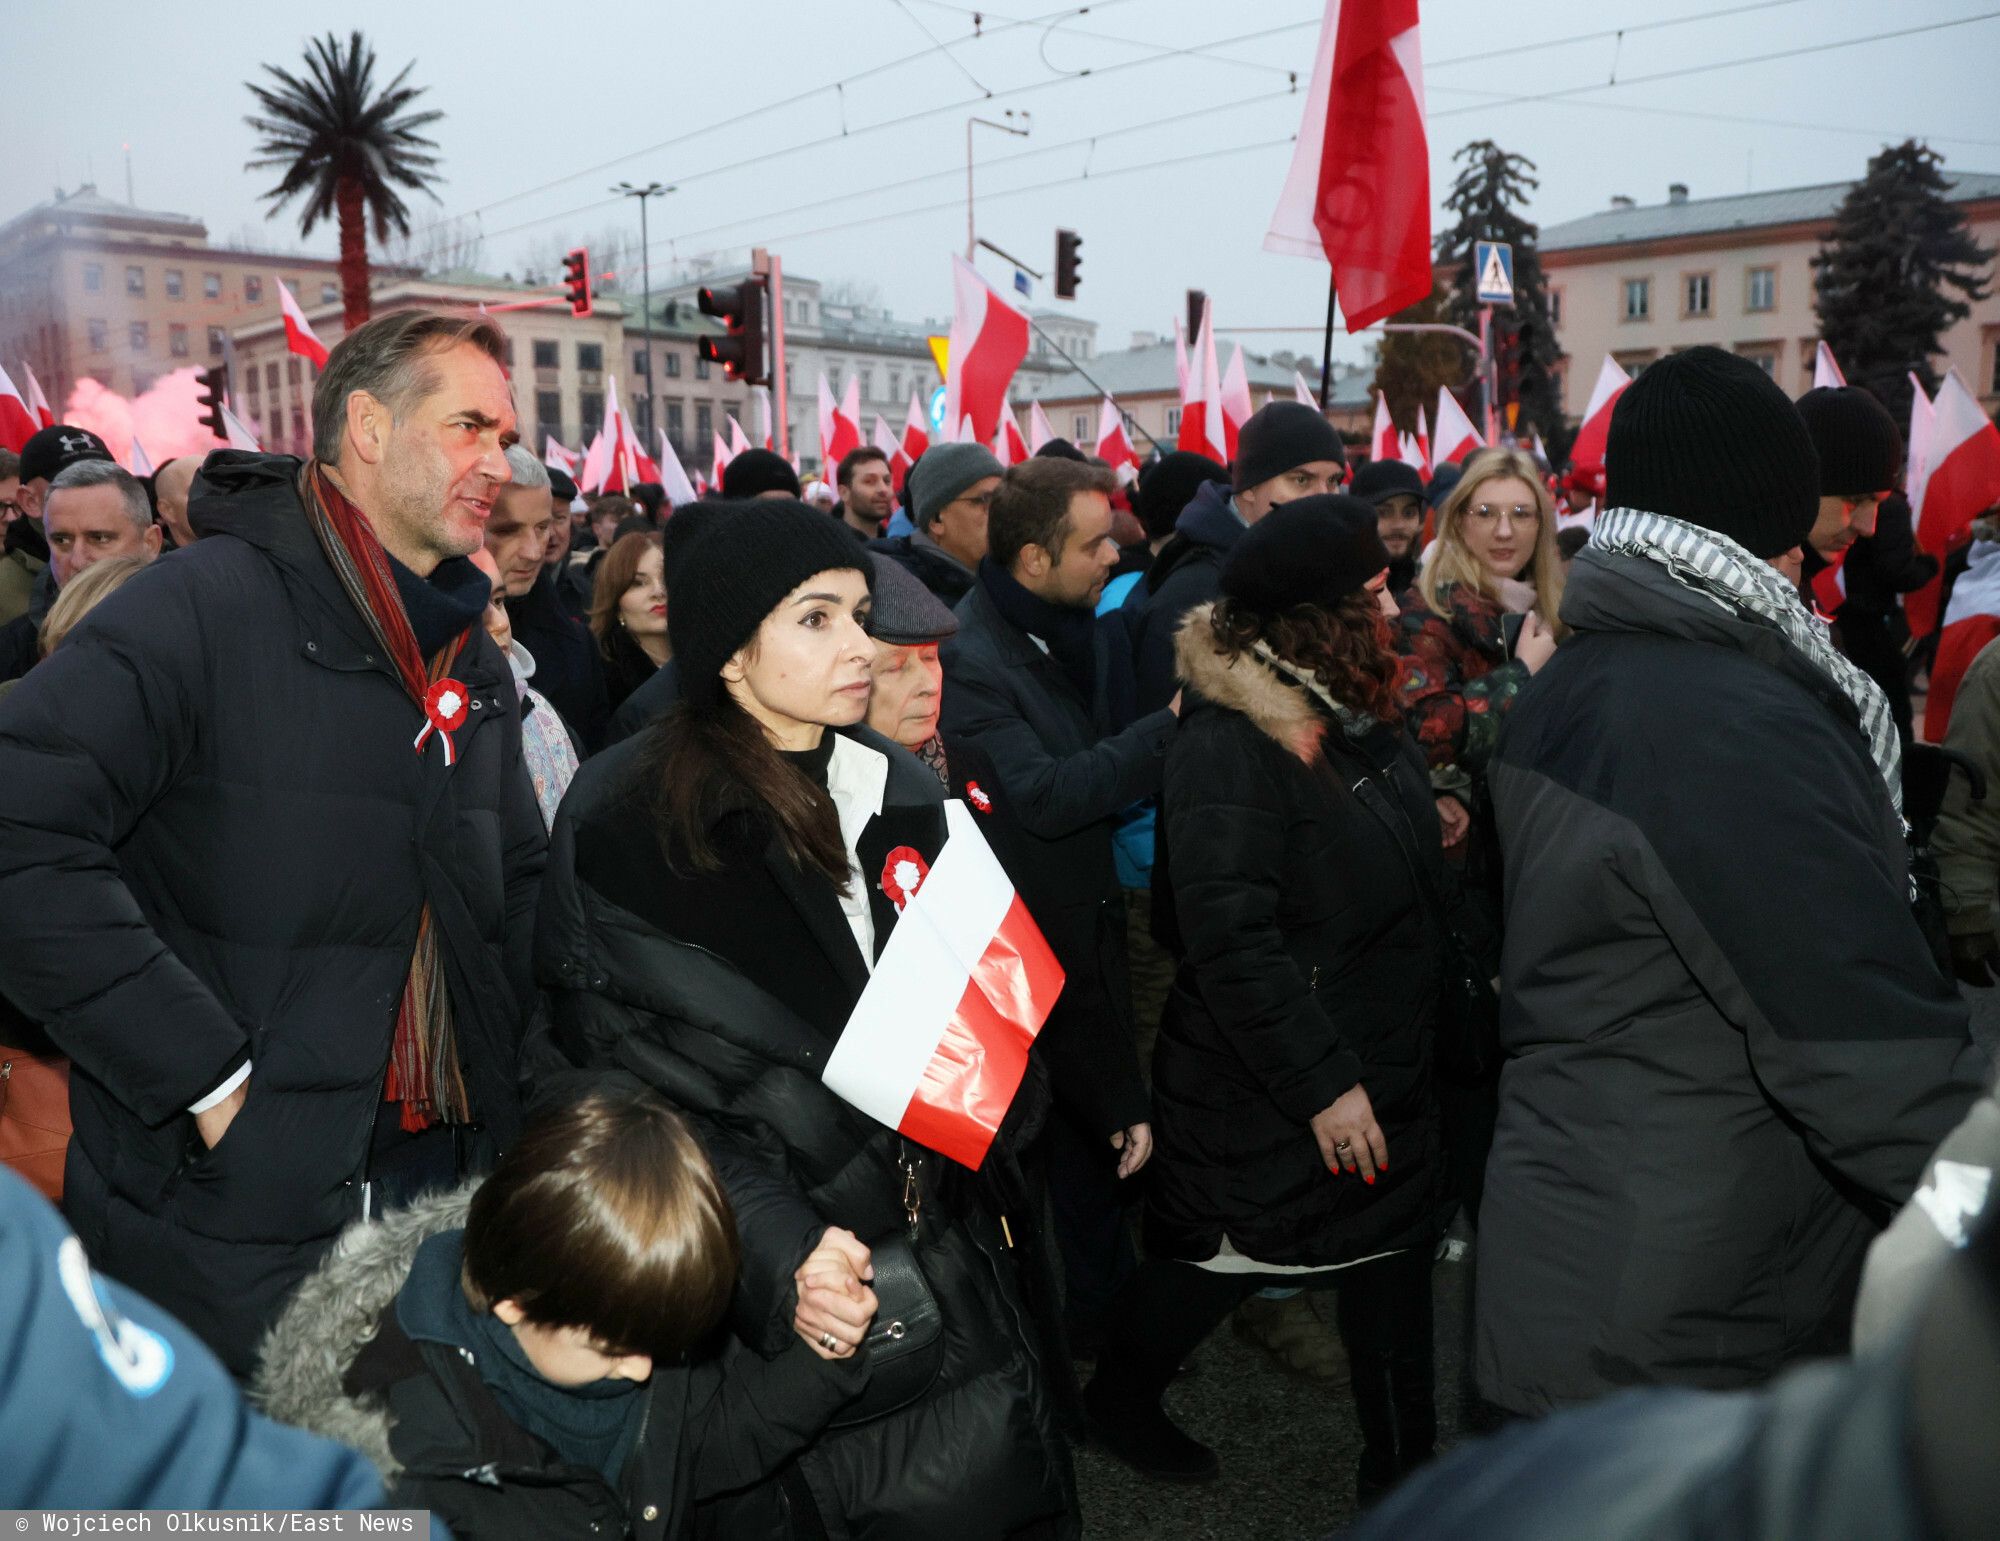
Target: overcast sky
{"type": "Point", "coordinates": [535, 95]}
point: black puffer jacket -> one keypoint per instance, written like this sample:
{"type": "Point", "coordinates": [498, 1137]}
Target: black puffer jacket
{"type": "Point", "coordinates": [1311, 965]}
{"type": "Point", "coordinates": [727, 992]}
{"type": "Point", "coordinates": [1186, 572]}
{"type": "Point", "coordinates": [216, 841]}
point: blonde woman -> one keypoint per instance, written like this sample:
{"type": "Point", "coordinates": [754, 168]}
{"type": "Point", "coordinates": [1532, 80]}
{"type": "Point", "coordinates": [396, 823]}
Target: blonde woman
{"type": "Point", "coordinates": [75, 599]}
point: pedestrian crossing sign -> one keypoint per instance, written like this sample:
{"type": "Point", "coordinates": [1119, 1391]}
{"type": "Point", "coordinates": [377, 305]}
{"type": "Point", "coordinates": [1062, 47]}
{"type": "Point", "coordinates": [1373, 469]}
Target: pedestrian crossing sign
{"type": "Point", "coordinates": [1493, 263]}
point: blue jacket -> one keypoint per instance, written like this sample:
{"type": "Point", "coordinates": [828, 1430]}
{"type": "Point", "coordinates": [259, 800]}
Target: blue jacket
{"type": "Point", "coordinates": [106, 1402]}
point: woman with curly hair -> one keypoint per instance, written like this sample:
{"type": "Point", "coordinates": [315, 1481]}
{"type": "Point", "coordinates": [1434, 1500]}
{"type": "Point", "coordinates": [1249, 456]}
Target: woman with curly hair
{"type": "Point", "coordinates": [1295, 1139]}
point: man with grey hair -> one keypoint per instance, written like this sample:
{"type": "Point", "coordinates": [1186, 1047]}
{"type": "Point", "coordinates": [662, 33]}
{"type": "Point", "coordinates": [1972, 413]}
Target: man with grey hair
{"type": "Point", "coordinates": [951, 489]}
{"type": "Point", "coordinates": [97, 509]}
{"type": "Point", "coordinates": [568, 668]}
{"type": "Point", "coordinates": [268, 848]}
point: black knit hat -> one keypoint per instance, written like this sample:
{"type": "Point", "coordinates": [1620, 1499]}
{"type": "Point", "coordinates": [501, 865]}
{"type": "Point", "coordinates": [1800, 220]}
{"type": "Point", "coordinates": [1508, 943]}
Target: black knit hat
{"type": "Point", "coordinates": [1380, 480]}
{"type": "Point", "coordinates": [736, 572]}
{"type": "Point", "coordinates": [1310, 551]}
{"type": "Point", "coordinates": [1168, 485]}
{"type": "Point", "coordinates": [759, 470]}
{"type": "Point", "coordinates": [677, 536]}
{"type": "Point", "coordinates": [1860, 447]}
{"type": "Point", "coordinates": [1060, 449]}
{"type": "Point", "coordinates": [52, 450]}
{"type": "Point", "coordinates": [1707, 437]}
{"type": "Point", "coordinates": [1281, 436]}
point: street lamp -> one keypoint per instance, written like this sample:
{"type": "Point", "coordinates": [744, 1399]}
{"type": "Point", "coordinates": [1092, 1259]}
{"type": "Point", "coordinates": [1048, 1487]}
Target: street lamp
{"type": "Point", "coordinates": [650, 190]}
{"type": "Point", "coordinates": [971, 237]}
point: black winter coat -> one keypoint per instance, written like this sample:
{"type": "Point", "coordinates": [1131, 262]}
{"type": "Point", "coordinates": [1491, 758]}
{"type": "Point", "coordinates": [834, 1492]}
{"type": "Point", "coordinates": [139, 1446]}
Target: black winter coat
{"type": "Point", "coordinates": [728, 992]}
{"type": "Point", "coordinates": [215, 841]}
{"type": "Point", "coordinates": [1066, 770]}
{"type": "Point", "coordinates": [947, 580]}
{"type": "Point", "coordinates": [1729, 1050]}
{"type": "Point", "coordinates": [568, 667]}
{"type": "Point", "coordinates": [1311, 965]}
{"type": "Point", "coordinates": [1187, 572]}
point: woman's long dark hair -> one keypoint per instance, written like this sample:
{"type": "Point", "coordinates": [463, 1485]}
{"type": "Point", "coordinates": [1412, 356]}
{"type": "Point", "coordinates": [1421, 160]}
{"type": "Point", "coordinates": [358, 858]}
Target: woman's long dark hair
{"type": "Point", "coordinates": [1349, 647]}
{"type": "Point", "coordinates": [708, 761]}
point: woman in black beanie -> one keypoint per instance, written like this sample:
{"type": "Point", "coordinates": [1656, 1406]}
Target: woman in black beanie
{"type": "Point", "coordinates": [1296, 1138]}
{"type": "Point", "coordinates": [714, 907]}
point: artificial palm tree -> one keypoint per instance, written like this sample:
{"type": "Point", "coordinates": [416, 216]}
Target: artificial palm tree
{"type": "Point", "coordinates": [346, 147]}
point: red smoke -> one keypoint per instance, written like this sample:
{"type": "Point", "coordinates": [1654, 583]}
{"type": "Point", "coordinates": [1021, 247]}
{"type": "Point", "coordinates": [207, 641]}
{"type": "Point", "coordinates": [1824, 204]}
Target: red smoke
{"type": "Point", "coordinates": [167, 419]}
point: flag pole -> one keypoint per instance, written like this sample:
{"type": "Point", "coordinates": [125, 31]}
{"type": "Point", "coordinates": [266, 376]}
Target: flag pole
{"type": "Point", "coordinates": [1326, 349]}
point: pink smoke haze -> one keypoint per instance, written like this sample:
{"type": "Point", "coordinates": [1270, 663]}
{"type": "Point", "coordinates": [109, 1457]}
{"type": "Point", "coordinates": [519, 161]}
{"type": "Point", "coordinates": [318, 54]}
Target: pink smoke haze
{"type": "Point", "coordinates": [167, 419]}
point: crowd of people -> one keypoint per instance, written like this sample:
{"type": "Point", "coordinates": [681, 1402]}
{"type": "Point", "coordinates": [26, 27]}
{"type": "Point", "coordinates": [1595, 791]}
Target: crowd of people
{"type": "Point", "coordinates": [434, 899]}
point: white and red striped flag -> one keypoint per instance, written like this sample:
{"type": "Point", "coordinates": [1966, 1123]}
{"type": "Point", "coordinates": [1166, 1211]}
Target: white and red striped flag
{"type": "Point", "coordinates": [299, 336]}
{"type": "Point", "coordinates": [1409, 453]}
{"type": "Point", "coordinates": [1384, 443]}
{"type": "Point", "coordinates": [1010, 447]}
{"type": "Point", "coordinates": [938, 1043]}
{"type": "Point", "coordinates": [38, 402]}
{"type": "Point", "coordinates": [17, 422]}
{"type": "Point", "coordinates": [238, 434]}
{"type": "Point", "coordinates": [1826, 372]}
{"type": "Point", "coordinates": [1423, 443]}
{"type": "Point", "coordinates": [1114, 445]}
{"type": "Point", "coordinates": [1301, 392]}
{"type": "Point", "coordinates": [839, 425]}
{"type": "Point", "coordinates": [1456, 437]}
{"type": "Point", "coordinates": [739, 441]}
{"type": "Point", "coordinates": [1203, 430]}
{"type": "Point", "coordinates": [1039, 431]}
{"type": "Point", "coordinates": [916, 430]}
{"type": "Point", "coordinates": [718, 459]}
{"type": "Point", "coordinates": [1588, 449]}
{"type": "Point", "coordinates": [760, 415]}
{"type": "Point", "coordinates": [673, 475]}
{"type": "Point", "coordinates": [1961, 481]}
{"type": "Point", "coordinates": [989, 338]}
{"type": "Point", "coordinates": [1236, 405]}
{"type": "Point", "coordinates": [559, 456]}
{"type": "Point", "coordinates": [1359, 188]}
{"type": "Point", "coordinates": [885, 441]}
{"type": "Point", "coordinates": [1829, 587]}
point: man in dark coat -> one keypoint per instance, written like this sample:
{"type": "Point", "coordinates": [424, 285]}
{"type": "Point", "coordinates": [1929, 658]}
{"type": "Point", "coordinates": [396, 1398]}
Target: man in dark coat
{"type": "Point", "coordinates": [237, 894]}
{"type": "Point", "coordinates": [951, 494]}
{"type": "Point", "coordinates": [1041, 688]}
{"type": "Point", "coordinates": [1287, 450]}
{"type": "Point", "coordinates": [1730, 1051]}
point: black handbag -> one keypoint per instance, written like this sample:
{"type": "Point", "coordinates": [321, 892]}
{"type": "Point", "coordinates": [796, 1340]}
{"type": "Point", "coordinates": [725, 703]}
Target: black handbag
{"type": "Point", "coordinates": [905, 1342]}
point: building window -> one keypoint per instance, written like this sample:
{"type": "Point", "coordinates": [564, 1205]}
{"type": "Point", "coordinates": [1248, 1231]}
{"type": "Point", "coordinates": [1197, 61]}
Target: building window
{"type": "Point", "coordinates": [256, 387]}
{"type": "Point", "coordinates": [1079, 427]}
{"type": "Point", "coordinates": [547, 355]}
{"type": "Point", "coordinates": [895, 385]}
{"type": "Point", "coordinates": [292, 371]}
{"type": "Point", "coordinates": [592, 403]}
{"type": "Point", "coordinates": [1695, 294]}
{"type": "Point", "coordinates": [253, 289]}
{"type": "Point", "coordinates": [700, 367]}
{"type": "Point", "coordinates": [590, 358]}
{"type": "Point", "coordinates": [642, 417]}
{"type": "Point", "coordinates": [1995, 376]}
{"type": "Point", "coordinates": [329, 294]}
{"type": "Point", "coordinates": [211, 286]}
{"type": "Point", "coordinates": [673, 366]}
{"type": "Point", "coordinates": [548, 412]}
{"type": "Point", "coordinates": [1634, 364]}
{"type": "Point", "coordinates": [1555, 307]}
{"type": "Point", "coordinates": [100, 336]}
{"type": "Point", "coordinates": [176, 287]}
{"type": "Point", "coordinates": [137, 335]}
{"type": "Point", "coordinates": [299, 427]}
{"type": "Point", "coordinates": [833, 380]}
{"type": "Point", "coordinates": [271, 377]}
{"type": "Point", "coordinates": [1763, 355]}
{"type": "Point", "coordinates": [640, 363]}
{"type": "Point", "coordinates": [177, 340]}
{"type": "Point", "coordinates": [135, 280]}
{"type": "Point", "coordinates": [93, 278]}
{"type": "Point", "coordinates": [1638, 298]}
{"type": "Point", "coordinates": [1760, 289]}
{"type": "Point", "coordinates": [704, 427]}
{"type": "Point", "coordinates": [217, 341]}
{"type": "Point", "coordinates": [867, 385]}
{"type": "Point", "coordinates": [1173, 422]}
{"type": "Point", "coordinates": [676, 422]}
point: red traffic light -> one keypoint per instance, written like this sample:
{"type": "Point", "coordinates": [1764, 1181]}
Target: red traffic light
{"type": "Point", "coordinates": [740, 307]}
{"type": "Point", "coordinates": [576, 280]}
{"type": "Point", "coordinates": [210, 394]}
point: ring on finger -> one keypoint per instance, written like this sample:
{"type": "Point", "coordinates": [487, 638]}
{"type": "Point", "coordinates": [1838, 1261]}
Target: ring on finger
{"type": "Point", "coordinates": [828, 1341]}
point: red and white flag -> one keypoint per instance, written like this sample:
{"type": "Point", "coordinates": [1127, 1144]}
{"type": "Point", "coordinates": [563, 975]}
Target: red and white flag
{"type": "Point", "coordinates": [1970, 622]}
{"type": "Point", "coordinates": [559, 456]}
{"type": "Point", "coordinates": [739, 441]}
{"type": "Point", "coordinates": [1423, 442]}
{"type": "Point", "coordinates": [938, 1043]}
{"type": "Point", "coordinates": [1010, 448]}
{"type": "Point", "coordinates": [1301, 392]}
{"type": "Point", "coordinates": [1180, 360]}
{"type": "Point", "coordinates": [1359, 189]}
{"type": "Point", "coordinates": [916, 430]}
{"type": "Point", "coordinates": [1917, 460]}
{"type": "Point", "coordinates": [17, 422]}
{"type": "Point", "coordinates": [1114, 445]}
{"type": "Point", "coordinates": [885, 441]}
{"type": "Point", "coordinates": [1039, 431]}
{"type": "Point", "coordinates": [673, 475]}
{"type": "Point", "coordinates": [760, 415]}
{"type": "Point", "coordinates": [1410, 452]}
{"type": "Point", "coordinates": [1826, 372]}
{"type": "Point", "coordinates": [718, 459]}
{"type": "Point", "coordinates": [1829, 588]}
{"type": "Point", "coordinates": [237, 433]}
{"type": "Point", "coordinates": [1456, 437]}
{"type": "Point", "coordinates": [1236, 406]}
{"type": "Point", "coordinates": [839, 425]}
{"type": "Point", "coordinates": [989, 338]}
{"type": "Point", "coordinates": [299, 336]}
{"type": "Point", "coordinates": [596, 463]}
{"type": "Point", "coordinates": [38, 402]}
{"type": "Point", "coordinates": [1588, 450]}
{"type": "Point", "coordinates": [1384, 443]}
{"type": "Point", "coordinates": [1961, 481]}
{"type": "Point", "coordinates": [1203, 428]}
{"type": "Point", "coordinates": [139, 462]}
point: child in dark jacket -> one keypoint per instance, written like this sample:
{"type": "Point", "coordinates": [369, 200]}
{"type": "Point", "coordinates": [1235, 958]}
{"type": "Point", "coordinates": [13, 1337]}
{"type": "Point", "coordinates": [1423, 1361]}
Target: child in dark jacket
{"type": "Point", "coordinates": [525, 1360]}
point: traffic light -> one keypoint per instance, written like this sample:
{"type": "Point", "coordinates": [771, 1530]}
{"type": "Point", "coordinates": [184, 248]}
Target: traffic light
{"type": "Point", "coordinates": [576, 280]}
{"type": "Point", "coordinates": [1067, 242]}
{"type": "Point", "coordinates": [213, 389]}
{"type": "Point", "coordinates": [741, 308]}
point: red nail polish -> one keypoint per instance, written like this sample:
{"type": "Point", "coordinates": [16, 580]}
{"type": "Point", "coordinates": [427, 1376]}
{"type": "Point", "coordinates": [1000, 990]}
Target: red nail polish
{"type": "Point", "coordinates": [1369, 1179]}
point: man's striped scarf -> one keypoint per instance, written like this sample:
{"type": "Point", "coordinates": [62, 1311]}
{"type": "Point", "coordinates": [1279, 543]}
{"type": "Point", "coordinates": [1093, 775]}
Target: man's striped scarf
{"type": "Point", "coordinates": [424, 1075]}
{"type": "Point", "coordinates": [1717, 567]}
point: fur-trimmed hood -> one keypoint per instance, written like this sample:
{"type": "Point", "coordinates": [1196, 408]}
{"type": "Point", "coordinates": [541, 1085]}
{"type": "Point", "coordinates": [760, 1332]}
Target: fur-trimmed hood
{"type": "Point", "coordinates": [335, 1313]}
{"type": "Point", "coordinates": [1246, 683]}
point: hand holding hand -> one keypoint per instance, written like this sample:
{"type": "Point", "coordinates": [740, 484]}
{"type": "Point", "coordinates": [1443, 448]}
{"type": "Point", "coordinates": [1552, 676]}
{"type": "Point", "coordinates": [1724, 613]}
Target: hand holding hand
{"type": "Point", "coordinates": [835, 1307]}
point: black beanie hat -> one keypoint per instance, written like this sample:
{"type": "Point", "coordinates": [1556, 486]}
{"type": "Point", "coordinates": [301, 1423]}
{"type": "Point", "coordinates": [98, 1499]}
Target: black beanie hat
{"type": "Point", "coordinates": [736, 571]}
{"type": "Point", "coordinates": [562, 487]}
{"type": "Point", "coordinates": [677, 536]}
{"type": "Point", "coordinates": [1860, 447]}
{"type": "Point", "coordinates": [1310, 551]}
{"type": "Point", "coordinates": [53, 450]}
{"type": "Point", "coordinates": [1060, 449]}
{"type": "Point", "coordinates": [1168, 485]}
{"type": "Point", "coordinates": [759, 470]}
{"type": "Point", "coordinates": [1707, 437]}
{"type": "Point", "coordinates": [1281, 436]}
{"type": "Point", "coordinates": [1380, 480]}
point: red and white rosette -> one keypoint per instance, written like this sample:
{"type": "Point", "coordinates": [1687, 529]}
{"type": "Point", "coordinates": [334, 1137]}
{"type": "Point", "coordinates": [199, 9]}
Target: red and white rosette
{"type": "Point", "coordinates": [445, 707]}
{"type": "Point", "coordinates": [903, 873]}
{"type": "Point", "coordinates": [976, 795]}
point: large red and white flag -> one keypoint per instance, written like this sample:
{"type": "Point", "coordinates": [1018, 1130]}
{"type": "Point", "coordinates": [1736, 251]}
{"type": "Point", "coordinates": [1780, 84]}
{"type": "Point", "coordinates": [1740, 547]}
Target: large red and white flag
{"type": "Point", "coordinates": [1359, 188]}
{"type": "Point", "coordinates": [1961, 482]}
{"type": "Point", "coordinates": [559, 456]}
{"type": "Point", "coordinates": [1301, 392]}
{"type": "Point", "coordinates": [989, 338]}
{"type": "Point", "coordinates": [17, 422]}
{"type": "Point", "coordinates": [38, 401]}
{"type": "Point", "coordinates": [1826, 372]}
{"type": "Point", "coordinates": [673, 475]}
{"type": "Point", "coordinates": [938, 1043]}
{"type": "Point", "coordinates": [916, 430]}
{"type": "Point", "coordinates": [1456, 437]}
{"type": "Point", "coordinates": [1114, 445]}
{"type": "Point", "coordinates": [299, 337]}
{"type": "Point", "coordinates": [1039, 431]}
{"type": "Point", "coordinates": [1588, 450]}
{"type": "Point", "coordinates": [1384, 443]}
{"type": "Point", "coordinates": [1236, 406]}
{"type": "Point", "coordinates": [1203, 428]}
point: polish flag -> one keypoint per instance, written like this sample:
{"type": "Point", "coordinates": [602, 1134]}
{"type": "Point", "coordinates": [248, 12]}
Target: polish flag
{"type": "Point", "coordinates": [1009, 447]}
{"type": "Point", "coordinates": [1114, 445]}
{"type": "Point", "coordinates": [938, 1043]}
{"type": "Point", "coordinates": [1970, 622]}
{"type": "Point", "coordinates": [839, 426]}
{"type": "Point", "coordinates": [557, 456]}
{"type": "Point", "coordinates": [17, 421]}
{"type": "Point", "coordinates": [237, 433]}
{"type": "Point", "coordinates": [1423, 442]}
{"type": "Point", "coordinates": [141, 463]}
{"type": "Point", "coordinates": [1236, 407]}
{"type": "Point", "coordinates": [1039, 431]}
{"type": "Point", "coordinates": [1359, 189]}
{"type": "Point", "coordinates": [1961, 481]}
{"type": "Point", "coordinates": [1826, 372]}
{"type": "Point", "coordinates": [739, 441]}
{"type": "Point", "coordinates": [719, 459]}
{"type": "Point", "coordinates": [1588, 450]}
{"type": "Point", "coordinates": [596, 463]}
{"type": "Point", "coordinates": [673, 475]}
{"type": "Point", "coordinates": [1456, 437]}
{"type": "Point", "coordinates": [38, 403]}
{"type": "Point", "coordinates": [299, 336]}
{"type": "Point", "coordinates": [760, 415]}
{"type": "Point", "coordinates": [1383, 441]}
{"type": "Point", "coordinates": [1204, 430]}
{"type": "Point", "coordinates": [626, 460]}
{"type": "Point", "coordinates": [989, 338]}
{"type": "Point", "coordinates": [1301, 392]}
{"type": "Point", "coordinates": [1410, 452]}
{"type": "Point", "coordinates": [1917, 460]}
{"type": "Point", "coordinates": [1829, 588]}
{"type": "Point", "coordinates": [885, 441]}
{"type": "Point", "coordinates": [916, 430]}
